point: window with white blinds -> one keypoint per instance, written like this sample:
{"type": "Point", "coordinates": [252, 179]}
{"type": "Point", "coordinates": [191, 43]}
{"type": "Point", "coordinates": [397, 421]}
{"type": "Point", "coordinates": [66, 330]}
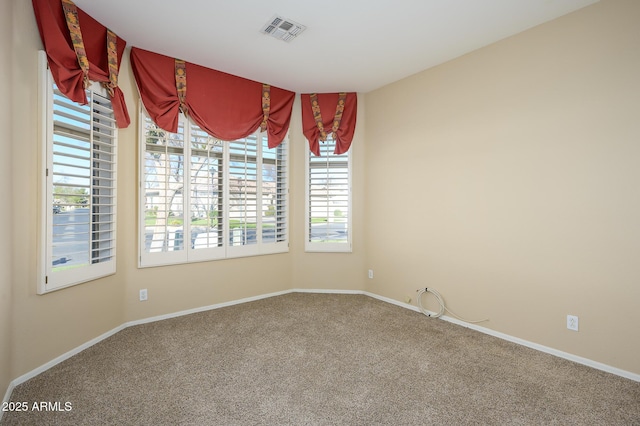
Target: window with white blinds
{"type": "Point", "coordinates": [328, 197]}
{"type": "Point", "coordinates": [79, 217]}
{"type": "Point", "coordinates": [204, 199]}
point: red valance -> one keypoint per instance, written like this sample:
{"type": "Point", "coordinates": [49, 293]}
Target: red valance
{"type": "Point", "coordinates": [63, 62]}
{"type": "Point", "coordinates": [225, 106]}
{"type": "Point", "coordinates": [328, 112]}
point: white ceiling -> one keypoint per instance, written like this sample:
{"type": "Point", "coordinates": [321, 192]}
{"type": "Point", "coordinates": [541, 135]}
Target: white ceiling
{"type": "Point", "coordinates": [349, 45]}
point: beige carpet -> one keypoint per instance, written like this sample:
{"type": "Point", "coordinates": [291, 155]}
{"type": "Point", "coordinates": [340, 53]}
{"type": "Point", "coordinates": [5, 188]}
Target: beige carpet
{"type": "Point", "coordinates": [320, 359]}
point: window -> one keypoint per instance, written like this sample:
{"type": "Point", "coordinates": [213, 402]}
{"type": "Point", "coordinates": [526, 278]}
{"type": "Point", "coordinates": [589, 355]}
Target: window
{"type": "Point", "coordinates": [203, 199]}
{"type": "Point", "coordinates": [79, 205]}
{"type": "Point", "coordinates": [328, 213]}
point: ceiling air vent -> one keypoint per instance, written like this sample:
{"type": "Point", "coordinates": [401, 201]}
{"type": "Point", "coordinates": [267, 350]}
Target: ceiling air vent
{"type": "Point", "coordinates": [283, 29]}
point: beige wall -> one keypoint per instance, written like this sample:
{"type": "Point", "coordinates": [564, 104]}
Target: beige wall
{"type": "Point", "coordinates": [507, 180]}
{"type": "Point", "coordinates": [6, 29]}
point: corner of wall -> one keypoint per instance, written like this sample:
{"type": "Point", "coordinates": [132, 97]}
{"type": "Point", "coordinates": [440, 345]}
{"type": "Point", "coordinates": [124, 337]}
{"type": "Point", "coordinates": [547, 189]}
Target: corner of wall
{"type": "Point", "coordinates": [6, 194]}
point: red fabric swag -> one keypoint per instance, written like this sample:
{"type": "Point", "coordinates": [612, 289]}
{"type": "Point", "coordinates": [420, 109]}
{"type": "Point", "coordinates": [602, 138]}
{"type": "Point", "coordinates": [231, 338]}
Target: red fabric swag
{"type": "Point", "coordinates": [328, 103]}
{"type": "Point", "coordinates": [62, 58]}
{"type": "Point", "coordinates": [225, 106]}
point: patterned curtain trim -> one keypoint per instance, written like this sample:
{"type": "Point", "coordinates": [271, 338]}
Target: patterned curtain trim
{"type": "Point", "coordinates": [266, 106]}
{"type": "Point", "coordinates": [342, 96]}
{"type": "Point", "coordinates": [112, 58]}
{"type": "Point", "coordinates": [315, 108]}
{"type": "Point", "coordinates": [181, 85]}
{"type": "Point", "coordinates": [73, 23]}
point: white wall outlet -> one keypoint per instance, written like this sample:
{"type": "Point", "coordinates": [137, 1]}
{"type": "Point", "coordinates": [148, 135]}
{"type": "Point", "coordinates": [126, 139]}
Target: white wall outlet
{"type": "Point", "coordinates": [143, 294]}
{"type": "Point", "coordinates": [572, 322]}
{"type": "Point", "coordinates": [370, 273]}
{"type": "Point", "coordinates": [407, 299]}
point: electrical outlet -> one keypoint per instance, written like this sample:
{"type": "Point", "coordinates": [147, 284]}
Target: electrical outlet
{"type": "Point", "coordinates": [143, 294]}
{"type": "Point", "coordinates": [370, 273]}
{"type": "Point", "coordinates": [572, 322]}
{"type": "Point", "coordinates": [407, 299]}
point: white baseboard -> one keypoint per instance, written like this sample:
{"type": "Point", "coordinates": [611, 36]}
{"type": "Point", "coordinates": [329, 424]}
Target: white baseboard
{"type": "Point", "coordinates": [571, 357]}
{"type": "Point", "coordinates": [205, 308]}
{"type": "Point", "coordinates": [519, 341]}
{"type": "Point", "coordinates": [109, 333]}
{"type": "Point", "coordinates": [66, 356]}
{"type": "Point", "coordinates": [541, 348]}
{"type": "Point", "coordinates": [325, 291]}
{"type": "Point", "coordinates": [7, 395]}
{"type": "Point", "coordinates": [392, 301]}
{"type": "Point", "coordinates": [44, 367]}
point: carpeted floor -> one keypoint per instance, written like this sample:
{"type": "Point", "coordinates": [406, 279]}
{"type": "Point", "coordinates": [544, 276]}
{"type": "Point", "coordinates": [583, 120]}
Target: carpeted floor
{"type": "Point", "coordinates": [320, 359]}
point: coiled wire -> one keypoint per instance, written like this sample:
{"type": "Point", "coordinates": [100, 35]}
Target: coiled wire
{"type": "Point", "coordinates": [443, 308]}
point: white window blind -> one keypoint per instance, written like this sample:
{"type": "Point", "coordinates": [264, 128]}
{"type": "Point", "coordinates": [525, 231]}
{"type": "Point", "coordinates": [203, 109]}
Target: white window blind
{"type": "Point", "coordinates": [163, 189]}
{"type": "Point", "coordinates": [207, 190]}
{"type": "Point", "coordinates": [328, 213]}
{"type": "Point", "coordinates": [80, 180]}
{"type": "Point", "coordinates": [235, 197]}
{"type": "Point", "coordinates": [244, 188]}
{"type": "Point", "coordinates": [275, 170]}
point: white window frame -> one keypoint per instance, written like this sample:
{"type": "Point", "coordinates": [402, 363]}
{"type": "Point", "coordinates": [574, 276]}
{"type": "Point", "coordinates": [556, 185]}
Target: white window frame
{"type": "Point", "coordinates": [105, 181]}
{"type": "Point", "coordinates": [227, 250]}
{"type": "Point", "coordinates": [326, 148]}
